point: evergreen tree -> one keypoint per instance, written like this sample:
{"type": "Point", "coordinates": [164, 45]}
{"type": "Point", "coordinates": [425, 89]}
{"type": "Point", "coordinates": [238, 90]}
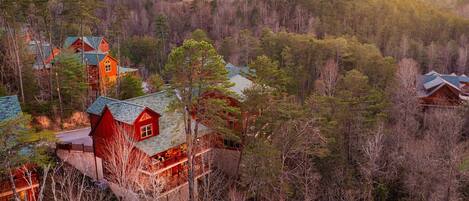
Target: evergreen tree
{"type": "Point", "coordinates": [155, 82]}
{"type": "Point", "coordinates": [71, 81]}
{"type": "Point", "coordinates": [200, 35]}
{"type": "Point", "coordinates": [20, 145]}
{"type": "Point", "coordinates": [130, 87]}
{"type": "Point", "coordinates": [267, 72]}
{"type": "Point", "coordinates": [194, 69]}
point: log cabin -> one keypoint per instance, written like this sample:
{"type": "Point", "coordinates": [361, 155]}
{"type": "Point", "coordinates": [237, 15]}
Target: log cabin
{"type": "Point", "coordinates": [159, 133]}
{"type": "Point", "coordinates": [10, 109]}
{"type": "Point", "coordinates": [435, 89]}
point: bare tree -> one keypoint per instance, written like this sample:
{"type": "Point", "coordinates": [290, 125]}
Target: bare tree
{"type": "Point", "coordinates": [433, 161]}
{"type": "Point", "coordinates": [124, 163]}
{"type": "Point", "coordinates": [372, 150]}
{"type": "Point", "coordinates": [68, 184]}
{"type": "Point", "coordinates": [328, 78]}
{"type": "Point", "coordinates": [404, 98]}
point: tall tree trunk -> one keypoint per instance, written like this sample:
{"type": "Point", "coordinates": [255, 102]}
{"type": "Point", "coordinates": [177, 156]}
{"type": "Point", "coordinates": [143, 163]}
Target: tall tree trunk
{"type": "Point", "coordinates": [190, 140]}
{"type": "Point", "coordinates": [17, 58]}
{"type": "Point", "coordinates": [59, 95]}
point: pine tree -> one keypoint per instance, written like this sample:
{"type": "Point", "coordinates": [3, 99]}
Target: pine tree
{"type": "Point", "coordinates": [194, 69]}
{"type": "Point", "coordinates": [130, 87]}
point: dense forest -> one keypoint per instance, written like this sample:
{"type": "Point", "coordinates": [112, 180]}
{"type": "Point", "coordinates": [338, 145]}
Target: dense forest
{"type": "Point", "coordinates": [338, 115]}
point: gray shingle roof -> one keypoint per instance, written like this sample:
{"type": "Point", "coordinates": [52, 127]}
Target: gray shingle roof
{"type": "Point", "coordinates": [97, 106]}
{"type": "Point", "coordinates": [125, 112]}
{"type": "Point", "coordinates": [9, 107]}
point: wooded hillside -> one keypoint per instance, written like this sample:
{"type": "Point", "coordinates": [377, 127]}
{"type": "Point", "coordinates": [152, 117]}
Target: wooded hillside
{"type": "Point", "coordinates": [337, 111]}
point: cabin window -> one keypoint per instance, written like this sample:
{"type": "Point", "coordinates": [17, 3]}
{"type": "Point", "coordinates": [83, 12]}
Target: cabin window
{"type": "Point", "coordinates": [107, 66]}
{"type": "Point", "coordinates": [146, 130]}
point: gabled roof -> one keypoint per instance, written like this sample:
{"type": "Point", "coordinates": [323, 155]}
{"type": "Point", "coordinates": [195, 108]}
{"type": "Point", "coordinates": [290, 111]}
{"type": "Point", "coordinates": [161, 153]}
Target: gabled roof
{"type": "Point", "coordinates": [433, 81]}
{"type": "Point", "coordinates": [46, 51]}
{"type": "Point", "coordinates": [171, 123]}
{"type": "Point", "coordinates": [125, 112]}
{"type": "Point", "coordinates": [92, 41]}
{"type": "Point", "coordinates": [94, 58]}
{"type": "Point", "coordinates": [9, 107]}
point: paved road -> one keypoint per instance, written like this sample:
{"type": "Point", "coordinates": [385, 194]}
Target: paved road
{"type": "Point", "coordinates": [78, 136]}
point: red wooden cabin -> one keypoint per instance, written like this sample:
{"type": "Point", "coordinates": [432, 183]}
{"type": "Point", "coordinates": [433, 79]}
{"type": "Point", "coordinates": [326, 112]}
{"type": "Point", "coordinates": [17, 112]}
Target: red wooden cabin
{"type": "Point", "coordinates": [103, 69]}
{"type": "Point", "coordinates": [157, 133]}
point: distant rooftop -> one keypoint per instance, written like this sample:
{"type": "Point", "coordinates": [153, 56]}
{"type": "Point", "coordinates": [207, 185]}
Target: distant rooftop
{"type": "Point", "coordinates": [9, 107]}
{"type": "Point", "coordinates": [92, 41]}
{"type": "Point", "coordinates": [237, 75]}
{"type": "Point", "coordinates": [432, 81]}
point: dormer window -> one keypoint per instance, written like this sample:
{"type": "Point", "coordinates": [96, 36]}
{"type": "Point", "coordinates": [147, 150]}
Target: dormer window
{"type": "Point", "coordinates": [146, 130]}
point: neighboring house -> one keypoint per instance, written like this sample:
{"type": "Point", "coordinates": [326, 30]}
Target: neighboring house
{"type": "Point", "coordinates": [9, 109]}
{"type": "Point", "coordinates": [238, 76]}
{"type": "Point", "coordinates": [89, 44]}
{"type": "Point", "coordinates": [159, 133]}
{"type": "Point", "coordinates": [44, 56]}
{"type": "Point", "coordinates": [442, 89]}
{"type": "Point", "coordinates": [103, 69]}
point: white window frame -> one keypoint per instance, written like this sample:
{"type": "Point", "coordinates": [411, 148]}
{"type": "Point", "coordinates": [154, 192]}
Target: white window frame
{"type": "Point", "coordinates": [145, 129]}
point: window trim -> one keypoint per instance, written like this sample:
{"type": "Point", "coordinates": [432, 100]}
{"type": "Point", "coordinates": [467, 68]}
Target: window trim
{"type": "Point", "coordinates": [146, 131]}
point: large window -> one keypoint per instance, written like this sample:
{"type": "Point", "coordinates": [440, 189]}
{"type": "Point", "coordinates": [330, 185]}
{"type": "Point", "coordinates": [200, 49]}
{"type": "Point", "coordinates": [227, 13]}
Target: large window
{"type": "Point", "coordinates": [146, 130]}
{"type": "Point", "coordinates": [107, 66]}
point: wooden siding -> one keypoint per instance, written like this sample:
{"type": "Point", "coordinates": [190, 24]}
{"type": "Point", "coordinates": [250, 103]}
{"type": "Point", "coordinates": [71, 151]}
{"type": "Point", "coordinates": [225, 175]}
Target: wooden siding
{"type": "Point", "coordinates": [110, 76]}
{"type": "Point", "coordinates": [104, 46]}
{"type": "Point", "coordinates": [77, 45]}
{"type": "Point", "coordinates": [154, 120]}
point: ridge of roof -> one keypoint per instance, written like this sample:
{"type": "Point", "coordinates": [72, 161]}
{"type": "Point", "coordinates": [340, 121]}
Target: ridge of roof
{"type": "Point", "coordinates": [146, 95]}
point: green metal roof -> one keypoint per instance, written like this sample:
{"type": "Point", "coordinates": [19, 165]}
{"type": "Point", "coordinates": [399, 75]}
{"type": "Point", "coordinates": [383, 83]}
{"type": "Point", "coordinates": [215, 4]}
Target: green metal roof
{"type": "Point", "coordinates": [9, 107]}
{"type": "Point", "coordinates": [93, 58]}
{"type": "Point", "coordinates": [123, 70]}
{"type": "Point", "coordinates": [92, 41]}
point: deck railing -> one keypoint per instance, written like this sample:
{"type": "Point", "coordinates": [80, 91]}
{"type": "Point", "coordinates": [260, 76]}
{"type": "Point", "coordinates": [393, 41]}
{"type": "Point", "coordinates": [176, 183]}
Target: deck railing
{"type": "Point", "coordinates": [74, 147]}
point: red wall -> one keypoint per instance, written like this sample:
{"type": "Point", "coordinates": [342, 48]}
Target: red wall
{"type": "Point", "coordinates": [94, 120]}
{"type": "Point", "coordinates": [106, 127]}
{"type": "Point", "coordinates": [103, 132]}
{"type": "Point", "coordinates": [153, 120]}
{"type": "Point", "coordinates": [77, 46]}
{"type": "Point", "coordinates": [104, 46]}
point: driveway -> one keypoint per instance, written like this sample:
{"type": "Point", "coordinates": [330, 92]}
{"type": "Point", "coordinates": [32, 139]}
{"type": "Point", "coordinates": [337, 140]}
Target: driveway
{"type": "Point", "coordinates": [78, 136]}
